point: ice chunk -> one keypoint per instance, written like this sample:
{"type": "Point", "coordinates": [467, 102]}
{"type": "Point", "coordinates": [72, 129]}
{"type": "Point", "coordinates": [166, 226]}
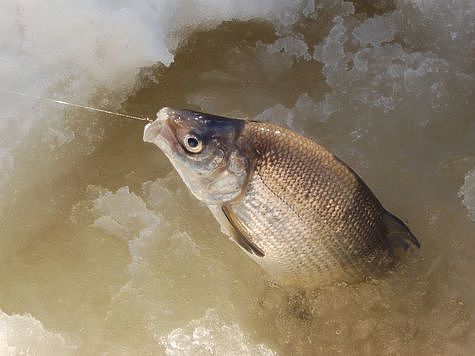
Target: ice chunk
{"type": "Point", "coordinates": [385, 102]}
{"type": "Point", "coordinates": [332, 51]}
{"type": "Point", "coordinates": [127, 216]}
{"type": "Point", "coordinates": [92, 57]}
{"type": "Point", "coordinates": [25, 335]}
{"type": "Point", "coordinates": [309, 8]}
{"type": "Point", "coordinates": [292, 45]}
{"type": "Point", "coordinates": [58, 136]}
{"type": "Point", "coordinates": [307, 109]}
{"type": "Point", "coordinates": [278, 114]}
{"type": "Point", "coordinates": [383, 76]}
{"type": "Point", "coordinates": [360, 61]}
{"type": "Point", "coordinates": [347, 8]}
{"type": "Point", "coordinates": [211, 335]}
{"type": "Point", "coordinates": [304, 113]}
{"type": "Point", "coordinates": [123, 214]}
{"type": "Point", "coordinates": [376, 30]}
{"type": "Point", "coordinates": [178, 244]}
{"type": "Point", "coordinates": [467, 193]}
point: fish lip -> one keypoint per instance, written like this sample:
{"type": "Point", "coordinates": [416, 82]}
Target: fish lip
{"type": "Point", "coordinates": [155, 128]}
{"type": "Point", "coordinates": [159, 132]}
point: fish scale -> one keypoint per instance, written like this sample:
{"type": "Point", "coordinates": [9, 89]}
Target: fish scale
{"type": "Point", "coordinates": [292, 206]}
{"type": "Point", "coordinates": [285, 254]}
{"type": "Point", "coordinates": [335, 242]}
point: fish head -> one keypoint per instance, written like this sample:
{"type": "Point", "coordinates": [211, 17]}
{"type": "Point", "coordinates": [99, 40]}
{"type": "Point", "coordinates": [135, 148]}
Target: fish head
{"type": "Point", "coordinates": [205, 150]}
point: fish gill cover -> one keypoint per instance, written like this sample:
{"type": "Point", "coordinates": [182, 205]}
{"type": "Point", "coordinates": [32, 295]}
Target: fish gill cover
{"type": "Point", "coordinates": [102, 249]}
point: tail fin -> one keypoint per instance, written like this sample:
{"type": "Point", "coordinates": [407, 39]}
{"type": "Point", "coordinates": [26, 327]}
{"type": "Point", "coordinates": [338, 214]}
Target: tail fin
{"type": "Point", "coordinates": [398, 233]}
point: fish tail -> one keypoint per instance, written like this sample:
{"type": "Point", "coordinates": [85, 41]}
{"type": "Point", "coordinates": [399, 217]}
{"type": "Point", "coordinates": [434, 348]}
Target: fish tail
{"type": "Point", "coordinates": [398, 234]}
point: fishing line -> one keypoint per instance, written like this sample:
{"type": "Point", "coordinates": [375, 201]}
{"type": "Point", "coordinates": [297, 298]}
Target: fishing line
{"type": "Point", "coordinates": [62, 102]}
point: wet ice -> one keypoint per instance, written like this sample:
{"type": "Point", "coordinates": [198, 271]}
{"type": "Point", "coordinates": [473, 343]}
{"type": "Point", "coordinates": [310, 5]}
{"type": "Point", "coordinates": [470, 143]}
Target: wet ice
{"type": "Point", "coordinates": [108, 253]}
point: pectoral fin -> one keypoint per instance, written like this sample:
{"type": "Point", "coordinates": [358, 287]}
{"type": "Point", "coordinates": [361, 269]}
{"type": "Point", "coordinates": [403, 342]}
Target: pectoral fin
{"type": "Point", "coordinates": [241, 235]}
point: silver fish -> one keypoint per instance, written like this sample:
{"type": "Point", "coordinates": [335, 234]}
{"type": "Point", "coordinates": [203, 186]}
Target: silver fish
{"type": "Point", "coordinates": [295, 208]}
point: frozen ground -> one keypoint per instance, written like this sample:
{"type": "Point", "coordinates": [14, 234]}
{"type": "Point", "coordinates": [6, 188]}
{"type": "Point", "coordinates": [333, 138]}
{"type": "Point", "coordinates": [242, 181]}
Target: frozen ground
{"type": "Point", "coordinates": [102, 249]}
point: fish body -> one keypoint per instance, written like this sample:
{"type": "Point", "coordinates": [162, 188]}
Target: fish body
{"type": "Point", "coordinates": [295, 208]}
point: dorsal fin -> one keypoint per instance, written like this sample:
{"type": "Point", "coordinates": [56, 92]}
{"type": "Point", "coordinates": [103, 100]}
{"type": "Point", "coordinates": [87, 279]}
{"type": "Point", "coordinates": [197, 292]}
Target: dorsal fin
{"type": "Point", "coordinates": [241, 236]}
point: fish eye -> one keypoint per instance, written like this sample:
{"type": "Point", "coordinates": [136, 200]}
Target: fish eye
{"type": "Point", "coordinates": [193, 143]}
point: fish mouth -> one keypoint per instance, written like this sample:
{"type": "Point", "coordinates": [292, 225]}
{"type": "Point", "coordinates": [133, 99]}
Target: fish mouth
{"type": "Point", "coordinates": [153, 129]}
{"type": "Point", "coordinates": [159, 132]}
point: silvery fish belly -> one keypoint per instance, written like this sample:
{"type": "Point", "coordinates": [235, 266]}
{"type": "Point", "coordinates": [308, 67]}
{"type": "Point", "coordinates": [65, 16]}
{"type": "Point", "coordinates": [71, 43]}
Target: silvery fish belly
{"type": "Point", "coordinates": [292, 206]}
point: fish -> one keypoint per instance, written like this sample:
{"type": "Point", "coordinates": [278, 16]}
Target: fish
{"type": "Point", "coordinates": [292, 206]}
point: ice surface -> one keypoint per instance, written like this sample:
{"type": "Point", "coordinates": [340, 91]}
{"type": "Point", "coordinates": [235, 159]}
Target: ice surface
{"type": "Point", "coordinates": [467, 193]}
{"type": "Point", "coordinates": [25, 335]}
{"type": "Point", "coordinates": [331, 51]}
{"type": "Point", "coordinates": [386, 73]}
{"type": "Point", "coordinates": [74, 51]}
{"type": "Point", "coordinates": [210, 335]}
{"type": "Point", "coordinates": [123, 214]}
{"type": "Point", "coordinates": [293, 45]}
{"type": "Point", "coordinates": [305, 112]}
{"type": "Point", "coordinates": [111, 255]}
{"type": "Point", "coordinates": [376, 30]}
